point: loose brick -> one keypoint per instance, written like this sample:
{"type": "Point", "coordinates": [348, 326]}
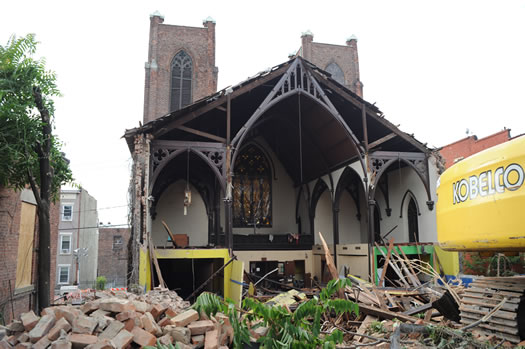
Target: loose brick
{"type": "Point", "coordinates": [16, 326]}
{"type": "Point", "coordinates": [211, 340]}
{"type": "Point", "coordinates": [84, 325]}
{"type": "Point", "coordinates": [61, 344]}
{"type": "Point", "coordinates": [141, 307]}
{"type": "Point", "coordinates": [12, 340]}
{"type": "Point", "coordinates": [122, 340]}
{"type": "Point", "coordinates": [198, 341]}
{"type": "Point", "coordinates": [127, 315]}
{"type": "Point", "coordinates": [29, 320]}
{"type": "Point", "coordinates": [42, 328]}
{"type": "Point", "coordinates": [5, 345]}
{"type": "Point", "coordinates": [143, 338]}
{"type": "Point", "coordinates": [185, 318]}
{"type": "Point", "coordinates": [149, 324]}
{"type": "Point", "coordinates": [170, 313]}
{"type": "Point", "coordinates": [99, 313]}
{"type": "Point", "coordinates": [48, 311]}
{"type": "Point", "coordinates": [157, 310]}
{"type": "Point", "coordinates": [89, 307]}
{"type": "Point", "coordinates": [223, 318]}
{"type": "Point", "coordinates": [165, 321]}
{"type": "Point", "coordinates": [23, 346]}
{"type": "Point", "coordinates": [165, 340]}
{"type": "Point", "coordinates": [61, 324]}
{"type": "Point", "coordinates": [68, 313]}
{"type": "Point", "coordinates": [116, 305]}
{"type": "Point", "coordinates": [43, 343]}
{"type": "Point", "coordinates": [24, 337]}
{"type": "Point", "coordinates": [111, 330]}
{"type": "Point", "coordinates": [181, 334]}
{"type": "Point", "coordinates": [79, 340]}
{"type": "Point", "coordinates": [101, 344]}
{"type": "Point", "coordinates": [201, 327]}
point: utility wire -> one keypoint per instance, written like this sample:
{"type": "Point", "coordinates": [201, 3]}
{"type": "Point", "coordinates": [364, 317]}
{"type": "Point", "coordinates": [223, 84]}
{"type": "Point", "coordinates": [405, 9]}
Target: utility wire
{"type": "Point", "coordinates": [98, 209]}
{"type": "Point", "coordinates": [124, 225]}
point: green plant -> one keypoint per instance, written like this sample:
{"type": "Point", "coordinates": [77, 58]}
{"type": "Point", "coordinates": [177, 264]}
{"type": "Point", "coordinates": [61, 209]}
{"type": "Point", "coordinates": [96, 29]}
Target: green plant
{"type": "Point", "coordinates": [377, 327]}
{"type": "Point", "coordinates": [101, 282]}
{"type": "Point", "coordinates": [300, 329]}
{"type": "Point", "coordinates": [489, 265]}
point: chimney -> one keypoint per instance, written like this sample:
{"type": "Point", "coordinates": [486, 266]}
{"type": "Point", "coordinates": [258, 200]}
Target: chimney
{"type": "Point", "coordinates": [307, 38]}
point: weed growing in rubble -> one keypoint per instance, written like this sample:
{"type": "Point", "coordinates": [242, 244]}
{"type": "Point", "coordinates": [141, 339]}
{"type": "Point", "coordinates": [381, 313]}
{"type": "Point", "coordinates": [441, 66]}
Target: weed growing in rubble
{"type": "Point", "coordinates": [300, 329]}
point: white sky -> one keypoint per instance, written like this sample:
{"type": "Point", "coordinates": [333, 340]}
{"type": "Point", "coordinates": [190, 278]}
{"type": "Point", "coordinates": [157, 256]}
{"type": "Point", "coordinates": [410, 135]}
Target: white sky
{"type": "Point", "coordinates": [434, 67]}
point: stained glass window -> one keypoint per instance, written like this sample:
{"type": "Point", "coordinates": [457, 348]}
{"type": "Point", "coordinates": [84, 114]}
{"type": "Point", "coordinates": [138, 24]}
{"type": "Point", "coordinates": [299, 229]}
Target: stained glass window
{"type": "Point", "coordinates": [252, 189]}
{"type": "Point", "coordinates": [181, 76]}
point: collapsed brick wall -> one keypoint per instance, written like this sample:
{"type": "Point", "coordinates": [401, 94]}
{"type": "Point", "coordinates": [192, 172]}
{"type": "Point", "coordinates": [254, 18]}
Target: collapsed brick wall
{"type": "Point", "coordinates": [14, 302]}
{"type": "Point", "coordinates": [112, 257]}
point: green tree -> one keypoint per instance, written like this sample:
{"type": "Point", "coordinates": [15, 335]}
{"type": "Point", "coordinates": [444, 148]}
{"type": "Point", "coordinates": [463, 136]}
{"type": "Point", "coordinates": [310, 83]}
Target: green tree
{"type": "Point", "coordinates": [29, 153]}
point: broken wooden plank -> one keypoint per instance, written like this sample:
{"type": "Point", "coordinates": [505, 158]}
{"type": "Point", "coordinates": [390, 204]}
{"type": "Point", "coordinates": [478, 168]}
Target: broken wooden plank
{"type": "Point", "coordinates": [387, 260]}
{"type": "Point", "coordinates": [386, 314]}
{"type": "Point", "coordinates": [155, 262]}
{"type": "Point", "coordinates": [169, 233]}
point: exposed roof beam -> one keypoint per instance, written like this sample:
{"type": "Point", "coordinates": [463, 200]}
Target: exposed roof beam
{"type": "Point", "coordinates": [358, 103]}
{"type": "Point", "coordinates": [221, 108]}
{"type": "Point", "coordinates": [381, 140]}
{"type": "Point", "coordinates": [184, 118]}
{"type": "Point", "coordinates": [202, 134]}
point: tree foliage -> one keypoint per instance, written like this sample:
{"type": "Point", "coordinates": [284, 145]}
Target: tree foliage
{"type": "Point", "coordinates": [24, 84]}
{"type": "Point", "coordinates": [300, 329]}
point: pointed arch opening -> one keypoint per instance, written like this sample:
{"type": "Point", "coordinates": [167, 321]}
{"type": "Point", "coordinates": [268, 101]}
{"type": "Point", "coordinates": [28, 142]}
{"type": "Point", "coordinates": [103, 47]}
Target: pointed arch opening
{"type": "Point", "coordinates": [410, 207]}
{"type": "Point", "coordinates": [336, 71]}
{"type": "Point", "coordinates": [252, 189]}
{"type": "Point", "coordinates": [181, 81]}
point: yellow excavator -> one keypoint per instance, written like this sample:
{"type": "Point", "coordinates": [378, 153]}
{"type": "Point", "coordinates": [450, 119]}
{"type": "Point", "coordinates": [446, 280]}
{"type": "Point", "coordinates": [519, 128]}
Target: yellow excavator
{"type": "Point", "coordinates": [481, 207]}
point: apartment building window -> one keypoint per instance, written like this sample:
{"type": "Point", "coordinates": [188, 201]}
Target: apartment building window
{"type": "Point", "coordinates": [117, 242]}
{"type": "Point", "coordinates": [67, 212]}
{"type": "Point", "coordinates": [63, 274]}
{"type": "Point", "coordinates": [65, 243]}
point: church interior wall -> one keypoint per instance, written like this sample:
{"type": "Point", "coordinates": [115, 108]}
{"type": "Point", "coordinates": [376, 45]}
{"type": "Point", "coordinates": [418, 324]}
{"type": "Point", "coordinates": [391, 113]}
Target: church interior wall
{"type": "Point", "coordinates": [324, 219]}
{"type": "Point", "coordinates": [349, 225]}
{"type": "Point", "coordinates": [170, 209]}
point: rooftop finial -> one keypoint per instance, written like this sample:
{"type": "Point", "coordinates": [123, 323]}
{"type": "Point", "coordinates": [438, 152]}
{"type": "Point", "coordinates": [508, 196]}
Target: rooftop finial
{"type": "Point", "coordinates": [156, 14]}
{"type": "Point", "coordinates": [307, 33]}
{"type": "Point", "coordinates": [352, 37]}
{"type": "Point", "coordinates": [208, 19]}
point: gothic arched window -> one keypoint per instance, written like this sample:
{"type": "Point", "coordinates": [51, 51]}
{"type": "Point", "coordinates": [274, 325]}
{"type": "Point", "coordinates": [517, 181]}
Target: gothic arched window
{"type": "Point", "coordinates": [413, 228]}
{"type": "Point", "coordinates": [252, 189]}
{"type": "Point", "coordinates": [181, 76]}
{"type": "Point", "coordinates": [336, 72]}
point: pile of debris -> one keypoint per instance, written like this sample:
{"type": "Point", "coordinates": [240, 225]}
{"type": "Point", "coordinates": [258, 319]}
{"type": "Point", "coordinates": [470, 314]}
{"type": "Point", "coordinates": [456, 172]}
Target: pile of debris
{"type": "Point", "coordinates": [115, 320]}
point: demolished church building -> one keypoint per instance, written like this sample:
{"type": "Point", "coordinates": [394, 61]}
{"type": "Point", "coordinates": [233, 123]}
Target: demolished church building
{"type": "Point", "coordinates": [256, 170]}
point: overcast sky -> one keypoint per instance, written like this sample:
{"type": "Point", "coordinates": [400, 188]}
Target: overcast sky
{"type": "Point", "coordinates": [434, 67]}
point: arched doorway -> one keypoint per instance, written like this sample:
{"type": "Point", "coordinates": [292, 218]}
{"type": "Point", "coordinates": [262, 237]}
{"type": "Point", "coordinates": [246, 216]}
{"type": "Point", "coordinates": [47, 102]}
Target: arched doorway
{"type": "Point", "coordinates": [413, 227]}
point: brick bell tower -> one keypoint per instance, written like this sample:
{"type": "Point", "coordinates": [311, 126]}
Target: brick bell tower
{"type": "Point", "coordinates": [180, 68]}
{"type": "Point", "coordinates": [341, 61]}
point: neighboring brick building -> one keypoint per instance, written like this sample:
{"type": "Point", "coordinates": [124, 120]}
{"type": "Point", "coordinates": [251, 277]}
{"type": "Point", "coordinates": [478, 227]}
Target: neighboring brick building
{"type": "Point", "coordinates": [113, 255]}
{"type": "Point", "coordinates": [187, 51]}
{"type": "Point", "coordinates": [470, 145]}
{"type": "Point", "coordinates": [340, 61]}
{"type": "Point", "coordinates": [18, 261]}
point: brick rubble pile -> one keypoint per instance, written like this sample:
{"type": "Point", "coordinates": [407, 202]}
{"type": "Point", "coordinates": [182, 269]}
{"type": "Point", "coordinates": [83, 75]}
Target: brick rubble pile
{"type": "Point", "coordinates": [118, 320]}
